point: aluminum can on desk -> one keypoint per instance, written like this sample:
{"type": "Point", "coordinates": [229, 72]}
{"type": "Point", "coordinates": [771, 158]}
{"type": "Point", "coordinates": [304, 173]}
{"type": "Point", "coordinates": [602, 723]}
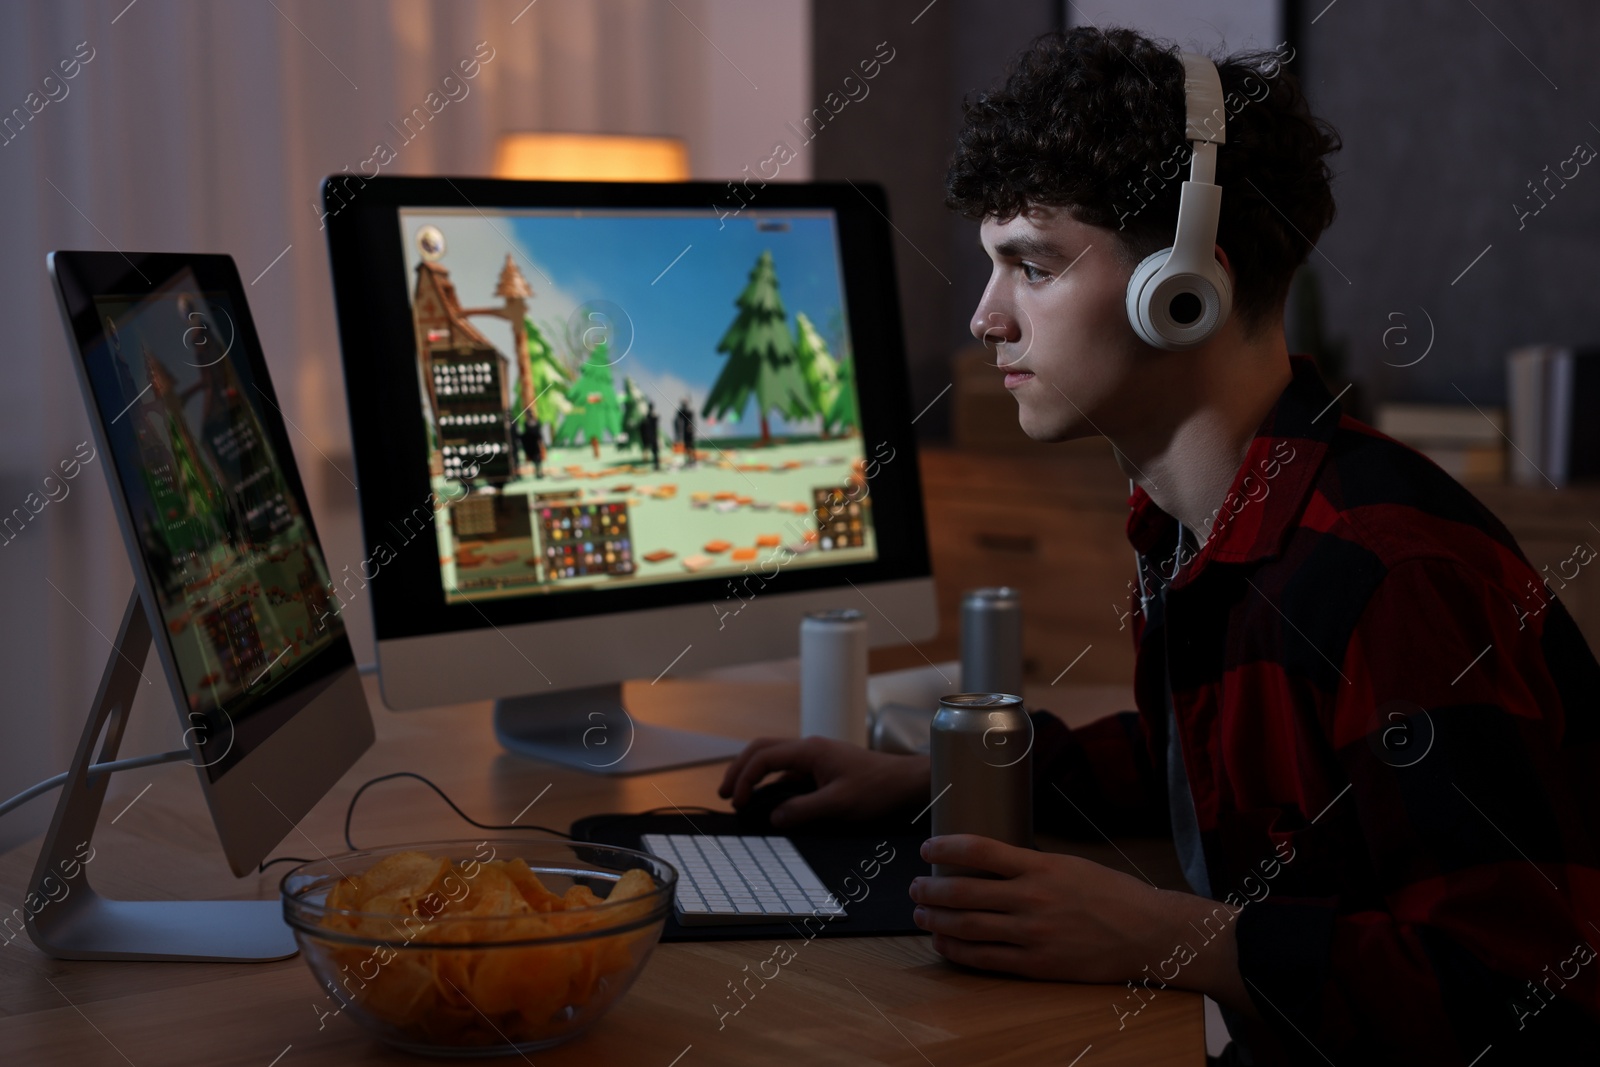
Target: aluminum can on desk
{"type": "Point", "coordinates": [981, 756]}
{"type": "Point", "coordinates": [833, 676]}
{"type": "Point", "coordinates": [991, 641]}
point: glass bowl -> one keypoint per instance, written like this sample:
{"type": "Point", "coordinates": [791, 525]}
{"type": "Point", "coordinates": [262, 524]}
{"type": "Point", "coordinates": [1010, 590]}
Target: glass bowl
{"type": "Point", "coordinates": [523, 971]}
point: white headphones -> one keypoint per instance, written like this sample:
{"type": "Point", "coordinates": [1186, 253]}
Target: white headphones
{"type": "Point", "coordinates": [1179, 297]}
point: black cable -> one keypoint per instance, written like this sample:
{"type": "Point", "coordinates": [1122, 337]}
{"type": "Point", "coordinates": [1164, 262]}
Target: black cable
{"type": "Point", "coordinates": [350, 813]}
{"type": "Point", "coordinates": [351, 810]}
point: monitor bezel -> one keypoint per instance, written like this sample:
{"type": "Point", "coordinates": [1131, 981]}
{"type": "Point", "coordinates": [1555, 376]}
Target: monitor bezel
{"type": "Point", "coordinates": [372, 291]}
{"type": "Point", "coordinates": [303, 741]}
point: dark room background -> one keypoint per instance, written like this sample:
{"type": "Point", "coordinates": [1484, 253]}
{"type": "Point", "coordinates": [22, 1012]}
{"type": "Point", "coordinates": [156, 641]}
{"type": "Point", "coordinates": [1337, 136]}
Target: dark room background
{"type": "Point", "coordinates": [1448, 109]}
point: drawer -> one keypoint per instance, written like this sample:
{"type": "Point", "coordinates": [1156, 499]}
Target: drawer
{"type": "Point", "coordinates": [1071, 567]}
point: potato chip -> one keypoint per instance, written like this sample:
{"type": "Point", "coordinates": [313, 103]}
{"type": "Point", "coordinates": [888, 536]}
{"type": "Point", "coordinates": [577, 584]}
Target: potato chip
{"type": "Point", "coordinates": [606, 956]}
{"type": "Point", "coordinates": [575, 920]}
{"type": "Point", "coordinates": [581, 896]}
{"type": "Point", "coordinates": [636, 885]}
{"type": "Point", "coordinates": [404, 875]}
{"type": "Point", "coordinates": [403, 986]}
{"type": "Point", "coordinates": [533, 981]}
{"type": "Point", "coordinates": [635, 882]}
{"type": "Point", "coordinates": [533, 891]}
{"type": "Point", "coordinates": [345, 896]}
{"type": "Point", "coordinates": [346, 893]}
{"type": "Point", "coordinates": [489, 892]}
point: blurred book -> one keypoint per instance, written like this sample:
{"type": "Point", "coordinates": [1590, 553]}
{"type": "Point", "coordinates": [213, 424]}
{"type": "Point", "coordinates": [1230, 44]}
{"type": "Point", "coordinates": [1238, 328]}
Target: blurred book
{"type": "Point", "coordinates": [1468, 444]}
{"type": "Point", "coordinates": [1549, 389]}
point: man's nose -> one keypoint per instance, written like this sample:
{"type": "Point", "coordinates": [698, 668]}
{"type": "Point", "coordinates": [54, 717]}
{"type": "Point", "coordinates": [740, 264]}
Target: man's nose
{"type": "Point", "coordinates": [995, 328]}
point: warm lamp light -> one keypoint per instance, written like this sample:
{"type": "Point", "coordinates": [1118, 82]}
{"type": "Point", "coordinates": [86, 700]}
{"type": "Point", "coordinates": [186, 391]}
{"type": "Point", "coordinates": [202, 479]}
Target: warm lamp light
{"type": "Point", "coordinates": [591, 157]}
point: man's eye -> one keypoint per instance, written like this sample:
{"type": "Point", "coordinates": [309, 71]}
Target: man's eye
{"type": "Point", "coordinates": [1032, 273]}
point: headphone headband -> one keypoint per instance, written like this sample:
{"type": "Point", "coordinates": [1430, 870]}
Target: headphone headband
{"type": "Point", "coordinates": [1205, 117]}
{"type": "Point", "coordinates": [1180, 296]}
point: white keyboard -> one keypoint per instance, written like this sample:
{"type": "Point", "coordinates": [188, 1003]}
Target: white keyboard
{"type": "Point", "coordinates": [741, 879]}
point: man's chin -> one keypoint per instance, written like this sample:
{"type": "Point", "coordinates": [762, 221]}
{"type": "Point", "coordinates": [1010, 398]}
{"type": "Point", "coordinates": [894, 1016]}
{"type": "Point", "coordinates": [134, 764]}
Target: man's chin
{"type": "Point", "coordinates": [1051, 431]}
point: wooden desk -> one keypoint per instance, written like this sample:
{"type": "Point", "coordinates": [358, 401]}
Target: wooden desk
{"type": "Point", "coordinates": [889, 1000]}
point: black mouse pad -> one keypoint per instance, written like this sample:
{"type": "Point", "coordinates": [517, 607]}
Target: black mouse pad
{"type": "Point", "coordinates": [869, 872]}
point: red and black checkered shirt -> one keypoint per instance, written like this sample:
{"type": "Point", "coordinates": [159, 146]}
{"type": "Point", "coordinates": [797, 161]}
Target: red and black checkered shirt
{"type": "Point", "coordinates": [1389, 724]}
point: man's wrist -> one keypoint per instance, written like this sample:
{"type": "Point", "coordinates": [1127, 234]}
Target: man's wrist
{"type": "Point", "coordinates": [1201, 933]}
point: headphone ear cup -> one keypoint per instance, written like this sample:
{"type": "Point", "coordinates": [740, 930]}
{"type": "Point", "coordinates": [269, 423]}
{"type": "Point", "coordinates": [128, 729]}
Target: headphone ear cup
{"type": "Point", "coordinates": [1138, 298]}
{"type": "Point", "coordinates": [1177, 309]}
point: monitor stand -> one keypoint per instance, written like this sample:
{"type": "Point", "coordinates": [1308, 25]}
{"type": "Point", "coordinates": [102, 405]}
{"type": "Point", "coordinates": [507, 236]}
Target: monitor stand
{"type": "Point", "coordinates": [67, 919]}
{"type": "Point", "coordinates": [590, 730]}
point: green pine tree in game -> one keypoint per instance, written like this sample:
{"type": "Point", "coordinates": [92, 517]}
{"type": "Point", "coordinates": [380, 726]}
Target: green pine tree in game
{"type": "Point", "coordinates": [761, 357]}
{"type": "Point", "coordinates": [842, 414]}
{"type": "Point", "coordinates": [817, 367]}
{"type": "Point", "coordinates": [200, 512]}
{"type": "Point", "coordinates": [595, 411]}
{"type": "Point", "coordinates": [633, 407]}
{"type": "Point", "coordinates": [547, 390]}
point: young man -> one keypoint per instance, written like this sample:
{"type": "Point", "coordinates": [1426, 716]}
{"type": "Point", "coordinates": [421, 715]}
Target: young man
{"type": "Point", "coordinates": [1372, 735]}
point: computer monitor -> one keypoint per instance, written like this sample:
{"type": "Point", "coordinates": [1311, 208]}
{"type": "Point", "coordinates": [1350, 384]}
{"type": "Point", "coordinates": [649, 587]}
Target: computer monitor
{"type": "Point", "coordinates": [225, 555]}
{"type": "Point", "coordinates": [511, 349]}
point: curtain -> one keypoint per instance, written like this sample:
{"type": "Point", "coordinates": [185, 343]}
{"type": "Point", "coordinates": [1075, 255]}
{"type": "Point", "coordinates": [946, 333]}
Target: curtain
{"type": "Point", "coordinates": [168, 125]}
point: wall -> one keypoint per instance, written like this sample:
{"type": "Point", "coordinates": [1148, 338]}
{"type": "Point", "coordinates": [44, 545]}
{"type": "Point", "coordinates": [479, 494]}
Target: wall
{"type": "Point", "coordinates": [902, 136]}
{"type": "Point", "coordinates": [1447, 113]}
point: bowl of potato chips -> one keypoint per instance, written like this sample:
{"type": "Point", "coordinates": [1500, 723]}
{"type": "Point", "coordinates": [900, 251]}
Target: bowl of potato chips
{"type": "Point", "coordinates": [478, 947]}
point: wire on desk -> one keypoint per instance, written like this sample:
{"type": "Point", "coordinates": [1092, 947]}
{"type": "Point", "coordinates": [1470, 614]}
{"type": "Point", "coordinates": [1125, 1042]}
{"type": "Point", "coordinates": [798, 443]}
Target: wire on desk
{"type": "Point", "coordinates": [133, 762]}
{"type": "Point", "coordinates": [350, 813]}
{"type": "Point", "coordinates": [412, 774]}
{"type": "Point", "coordinates": [95, 769]}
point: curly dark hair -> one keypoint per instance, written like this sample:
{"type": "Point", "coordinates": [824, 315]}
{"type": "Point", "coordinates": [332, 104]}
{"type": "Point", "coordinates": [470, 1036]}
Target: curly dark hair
{"type": "Point", "coordinates": [1093, 120]}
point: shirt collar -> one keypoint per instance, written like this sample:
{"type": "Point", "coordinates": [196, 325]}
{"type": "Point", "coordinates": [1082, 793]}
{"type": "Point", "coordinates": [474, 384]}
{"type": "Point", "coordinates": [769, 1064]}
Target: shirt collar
{"type": "Point", "coordinates": [1269, 490]}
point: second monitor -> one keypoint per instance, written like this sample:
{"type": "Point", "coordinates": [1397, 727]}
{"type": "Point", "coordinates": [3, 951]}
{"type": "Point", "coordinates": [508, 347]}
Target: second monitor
{"type": "Point", "coordinates": [603, 431]}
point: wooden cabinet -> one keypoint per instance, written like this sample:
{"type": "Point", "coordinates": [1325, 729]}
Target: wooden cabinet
{"type": "Point", "coordinates": [1051, 520]}
{"type": "Point", "coordinates": [1550, 524]}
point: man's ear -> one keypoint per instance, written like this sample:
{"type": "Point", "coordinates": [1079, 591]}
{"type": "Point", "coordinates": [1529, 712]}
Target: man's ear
{"type": "Point", "coordinates": [1222, 257]}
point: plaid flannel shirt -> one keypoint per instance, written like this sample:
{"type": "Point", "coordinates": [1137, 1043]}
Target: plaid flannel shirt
{"type": "Point", "coordinates": [1390, 729]}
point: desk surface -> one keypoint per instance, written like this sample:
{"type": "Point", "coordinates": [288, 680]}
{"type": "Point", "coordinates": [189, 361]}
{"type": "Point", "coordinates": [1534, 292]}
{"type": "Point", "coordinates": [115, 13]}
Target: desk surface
{"type": "Point", "coordinates": [890, 1000]}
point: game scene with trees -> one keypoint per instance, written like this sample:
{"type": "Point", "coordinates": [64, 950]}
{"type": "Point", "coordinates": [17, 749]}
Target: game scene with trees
{"type": "Point", "coordinates": [626, 397]}
{"type": "Point", "coordinates": [242, 587]}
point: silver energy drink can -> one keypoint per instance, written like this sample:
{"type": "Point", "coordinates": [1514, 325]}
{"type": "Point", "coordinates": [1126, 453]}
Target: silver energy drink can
{"type": "Point", "coordinates": [981, 753]}
{"type": "Point", "coordinates": [991, 641]}
{"type": "Point", "coordinates": [833, 676]}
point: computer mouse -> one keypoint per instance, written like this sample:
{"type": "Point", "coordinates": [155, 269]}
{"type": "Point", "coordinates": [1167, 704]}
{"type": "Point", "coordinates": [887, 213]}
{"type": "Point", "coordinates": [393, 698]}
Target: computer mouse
{"type": "Point", "coordinates": [756, 815]}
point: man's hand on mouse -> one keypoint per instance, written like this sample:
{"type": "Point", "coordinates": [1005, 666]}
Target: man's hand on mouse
{"type": "Point", "coordinates": [852, 782]}
{"type": "Point", "coordinates": [1065, 918]}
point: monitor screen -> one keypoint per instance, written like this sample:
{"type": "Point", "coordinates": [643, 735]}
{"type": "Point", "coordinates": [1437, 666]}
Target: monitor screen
{"type": "Point", "coordinates": [239, 581]}
{"type": "Point", "coordinates": [623, 397]}
{"type": "Point", "coordinates": [595, 423]}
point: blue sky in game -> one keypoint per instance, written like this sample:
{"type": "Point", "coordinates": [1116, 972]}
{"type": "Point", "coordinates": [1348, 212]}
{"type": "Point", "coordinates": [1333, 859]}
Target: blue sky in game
{"type": "Point", "coordinates": [665, 284]}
